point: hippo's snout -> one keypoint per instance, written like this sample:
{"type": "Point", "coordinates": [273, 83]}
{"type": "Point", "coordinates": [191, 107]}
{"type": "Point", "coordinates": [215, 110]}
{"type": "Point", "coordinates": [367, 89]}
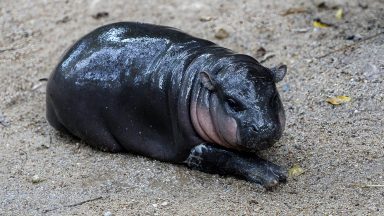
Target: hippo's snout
{"type": "Point", "coordinates": [256, 138]}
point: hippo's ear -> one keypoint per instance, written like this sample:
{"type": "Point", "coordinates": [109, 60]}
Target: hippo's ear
{"type": "Point", "coordinates": [207, 81]}
{"type": "Point", "coordinates": [278, 72]}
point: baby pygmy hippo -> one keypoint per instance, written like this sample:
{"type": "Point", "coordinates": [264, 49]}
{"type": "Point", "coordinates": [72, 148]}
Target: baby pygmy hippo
{"type": "Point", "coordinates": [159, 92]}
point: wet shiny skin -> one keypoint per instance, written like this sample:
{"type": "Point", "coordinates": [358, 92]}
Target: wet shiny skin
{"type": "Point", "coordinates": [135, 87]}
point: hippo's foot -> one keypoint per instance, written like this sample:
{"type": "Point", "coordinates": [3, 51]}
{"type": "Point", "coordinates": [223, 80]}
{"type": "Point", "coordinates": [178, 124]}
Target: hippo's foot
{"type": "Point", "coordinates": [212, 159]}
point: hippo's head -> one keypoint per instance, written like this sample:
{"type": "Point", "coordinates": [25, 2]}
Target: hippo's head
{"type": "Point", "coordinates": [239, 107]}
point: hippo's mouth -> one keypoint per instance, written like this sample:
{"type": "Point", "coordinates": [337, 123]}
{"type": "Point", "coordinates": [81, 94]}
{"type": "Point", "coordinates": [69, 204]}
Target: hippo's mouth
{"type": "Point", "coordinates": [252, 142]}
{"type": "Point", "coordinates": [214, 127]}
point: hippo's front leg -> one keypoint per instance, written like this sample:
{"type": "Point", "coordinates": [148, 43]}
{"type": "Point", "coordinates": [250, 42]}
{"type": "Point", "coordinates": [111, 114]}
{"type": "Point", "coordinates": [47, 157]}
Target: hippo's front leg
{"type": "Point", "coordinates": [212, 159]}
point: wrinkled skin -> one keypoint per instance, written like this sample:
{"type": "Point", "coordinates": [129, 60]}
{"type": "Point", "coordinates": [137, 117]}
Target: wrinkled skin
{"type": "Point", "coordinates": [159, 92]}
{"type": "Point", "coordinates": [243, 119]}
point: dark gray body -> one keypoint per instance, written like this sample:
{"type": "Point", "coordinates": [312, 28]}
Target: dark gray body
{"type": "Point", "coordinates": [129, 86]}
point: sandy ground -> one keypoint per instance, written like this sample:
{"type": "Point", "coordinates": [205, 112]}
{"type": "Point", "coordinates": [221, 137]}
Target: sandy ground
{"type": "Point", "coordinates": [340, 148]}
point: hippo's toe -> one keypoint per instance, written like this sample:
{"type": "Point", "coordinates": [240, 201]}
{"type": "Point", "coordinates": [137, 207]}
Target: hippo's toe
{"type": "Point", "coordinates": [267, 174]}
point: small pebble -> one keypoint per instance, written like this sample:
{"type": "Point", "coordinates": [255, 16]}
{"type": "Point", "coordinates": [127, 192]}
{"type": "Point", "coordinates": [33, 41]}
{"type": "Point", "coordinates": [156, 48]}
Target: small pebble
{"type": "Point", "coordinates": [308, 61]}
{"type": "Point", "coordinates": [260, 52]}
{"type": "Point", "coordinates": [107, 213]}
{"type": "Point", "coordinates": [205, 18]}
{"type": "Point", "coordinates": [221, 34]}
{"type": "Point", "coordinates": [286, 87]}
{"type": "Point", "coordinates": [372, 72]}
{"type": "Point", "coordinates": [3, 120]}
{"type": "Point", "coordinates": [363, 5]}
{"type": "Point", "coordinates": [164, 203]}
{"type": "Point", "coordinates": [100, 15]}
{"type": "Point", "coordinates": [63, 20]}
{"type": "Point", "coordinates": [354, 37]}
{"type": "Point", "coordinates": [36, 179]}
{"type": "Point", "coordinates": [154, 205]}
{"type": "Point", "coordinates": [45, 145]}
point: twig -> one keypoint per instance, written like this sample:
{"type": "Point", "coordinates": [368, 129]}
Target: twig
{"type": "Point", "coordinates": [43, 79]}
{"type": "Point", "coordinates": [267, 57]}
{"type": "Point", "coordinates": [81, 203]}
{"type": "Point", "coordinates": [350, 46]}
{"type": "Point", "coordinates": [40, 84]}
{"type": "Point", "coordinates": [4, 50]}
{"type": "Point", "coordinates": [73, 205]}
{"type": "Point", "coordinates": [368, 186]}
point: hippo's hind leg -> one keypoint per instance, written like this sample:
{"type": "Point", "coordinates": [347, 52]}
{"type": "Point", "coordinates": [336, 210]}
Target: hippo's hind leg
{"type": "Point", "coordinates": [99, 137]}
{"type": "Point", "coordinates": [212, 159]}
{"type": "Point", "coordinates": [95, 135]}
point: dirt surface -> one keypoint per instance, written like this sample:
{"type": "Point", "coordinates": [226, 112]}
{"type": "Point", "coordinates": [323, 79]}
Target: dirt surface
{"type": "Point", "coordinates": [340, 148]}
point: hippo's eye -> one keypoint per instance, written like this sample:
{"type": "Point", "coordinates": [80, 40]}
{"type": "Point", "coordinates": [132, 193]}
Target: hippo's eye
{"type": "Point", "coordinates": [234, 105]}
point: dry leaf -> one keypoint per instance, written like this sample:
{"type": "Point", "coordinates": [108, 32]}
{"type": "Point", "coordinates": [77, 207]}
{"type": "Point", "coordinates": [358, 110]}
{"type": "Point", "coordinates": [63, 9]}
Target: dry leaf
{"type": "Point", "coordinates": [295, 170]}
{"type": "Point", "coordinates": [339, 13]}
{"type": "Point", "coordinates": [293, 11]}
{"type": "Point", "coordinates": [317, 23]}
{"type": "Point", "coordinates": [338, 100]}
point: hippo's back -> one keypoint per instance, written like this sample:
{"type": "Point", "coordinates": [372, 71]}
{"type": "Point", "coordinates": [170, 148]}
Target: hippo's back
{"type": "Point", "coordinates": [114, 83]}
